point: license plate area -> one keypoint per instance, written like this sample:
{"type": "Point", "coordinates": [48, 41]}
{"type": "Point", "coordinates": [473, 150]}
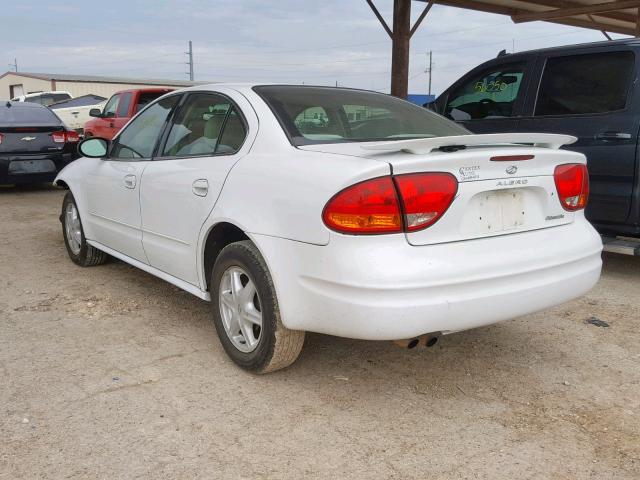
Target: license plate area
{"type": "Point", "coordinates": [21, 167]}
{"type": "Point", "coordinates": [498, 211]}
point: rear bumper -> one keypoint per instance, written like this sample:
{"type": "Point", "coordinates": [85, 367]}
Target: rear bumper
{"type": "Point", "coordinates": [60, 160]}
{"type": "Point", "coordinates": [381, 288]}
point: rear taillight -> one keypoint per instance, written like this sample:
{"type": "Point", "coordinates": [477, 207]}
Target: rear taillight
{"type": "Point", "coordinates": [366, 207]}
{"type": "Point", "coordinates": [1, 138]}
{"type": "Point", "coordinates": [73, 137]}
{"type": "Point", "coordinates": [65, 137]}
{"type": "Point", "coordinates": [572, 184]}
{"type": "Point", "coordinates": [425, 197]}
{"type": "Point", "coordinates": [408, 203]}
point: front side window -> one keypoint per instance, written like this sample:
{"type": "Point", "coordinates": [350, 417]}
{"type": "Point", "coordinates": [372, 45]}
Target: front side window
{"type": "Point", "coordinates": [139, 138]}
{"type": "Point", "coordinates": [584, 84]}
{"type": "Point", "coordinates": [125, 103]}
{"type": "Point", "coordinates": [311, 115]}
{"type": "Point", "coordinates": [491, 94]}
{"type": "Point", "coordinates": [198, 128]}
{"type": "Point", "coordinates": [111, 107]}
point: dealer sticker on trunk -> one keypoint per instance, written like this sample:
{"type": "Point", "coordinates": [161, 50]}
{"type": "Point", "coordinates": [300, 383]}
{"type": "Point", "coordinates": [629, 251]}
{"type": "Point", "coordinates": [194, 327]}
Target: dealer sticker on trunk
{"type": "Point", "coordinates": [469, 173]}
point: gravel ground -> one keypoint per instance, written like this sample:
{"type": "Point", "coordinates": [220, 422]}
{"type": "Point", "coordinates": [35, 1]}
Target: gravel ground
{"type": "Point", "coordinates": [109, 373]}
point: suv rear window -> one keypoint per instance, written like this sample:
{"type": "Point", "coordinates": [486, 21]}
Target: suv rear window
{"type": "Point", "coordinates": [583, 84]}
{"type": "Point", "coordinates": [312, 115]}
{"type": "Point", "coordinates": [18, 115]}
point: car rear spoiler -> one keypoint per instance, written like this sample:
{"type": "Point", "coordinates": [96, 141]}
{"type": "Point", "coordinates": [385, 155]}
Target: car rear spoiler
{"type": "Point", "coordinates": [428, 145]}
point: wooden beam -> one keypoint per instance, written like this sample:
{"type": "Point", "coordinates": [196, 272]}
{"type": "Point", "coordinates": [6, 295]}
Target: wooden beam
{"type": "Point", "coordinates": [576, 10]}
{"type": "Point", "coordinates": [379, 17]}
{"type": "Point", "coordinates": [400, 48]}
{"type": "Point", "coordinates": [420, 18]}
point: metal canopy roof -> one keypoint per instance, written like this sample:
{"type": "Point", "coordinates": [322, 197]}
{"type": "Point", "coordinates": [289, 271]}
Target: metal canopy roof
{"type": "Point", "coordinates": [618, 16]}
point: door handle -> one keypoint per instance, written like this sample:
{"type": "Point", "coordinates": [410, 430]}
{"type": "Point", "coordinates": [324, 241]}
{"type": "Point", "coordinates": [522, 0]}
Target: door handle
{"type": "Point", "coordinates": [129, 181]}
{"type": "Point", "coordinates": [111, 124]}
{"type": "Point", "coordinates": [613, 136]}
{"type": "Point", "coordinates": [200, 187]}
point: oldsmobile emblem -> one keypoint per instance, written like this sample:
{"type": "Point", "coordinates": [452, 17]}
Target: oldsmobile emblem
{"type": "Point", "coordinates": [511, 170]}
{"type": "Point", "coordinates": [27, 139]}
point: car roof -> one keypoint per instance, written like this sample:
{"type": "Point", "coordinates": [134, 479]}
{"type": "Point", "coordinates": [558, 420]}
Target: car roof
{"type": "Point", "coordinates": [20, 105]}
{"type": "Point", "coordinates": [576, 46]}
{"type": "Point", "coordinates": [150, 90]}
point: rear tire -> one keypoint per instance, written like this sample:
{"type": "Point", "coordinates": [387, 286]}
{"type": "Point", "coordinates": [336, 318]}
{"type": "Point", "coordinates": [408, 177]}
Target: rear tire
{"type": "Point", "coordinates": [80, 252]}
{"type": "Point", "coordinates": [262, 343]}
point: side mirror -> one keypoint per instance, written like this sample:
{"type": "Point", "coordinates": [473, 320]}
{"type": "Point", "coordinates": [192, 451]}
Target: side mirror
{"type": "Point", "coordinates": [95, 112]}
{"type": "Point", "coordinates": [94, 147]}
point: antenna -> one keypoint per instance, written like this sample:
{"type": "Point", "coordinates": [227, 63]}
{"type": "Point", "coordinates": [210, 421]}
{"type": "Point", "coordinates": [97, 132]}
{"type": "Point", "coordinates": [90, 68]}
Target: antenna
{"type": "Point", "coordinates": [14, 64]}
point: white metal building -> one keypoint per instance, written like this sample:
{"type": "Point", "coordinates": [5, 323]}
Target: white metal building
{"type": "Point", "coordinates": [13, 84]}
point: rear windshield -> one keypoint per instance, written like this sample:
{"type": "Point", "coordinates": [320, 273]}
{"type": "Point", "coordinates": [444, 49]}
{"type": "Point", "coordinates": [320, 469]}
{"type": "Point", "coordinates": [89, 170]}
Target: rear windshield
{"type": "Point", "coordinates": [23, 115]}
{"type": "Point", "coordinates": [312, 115]}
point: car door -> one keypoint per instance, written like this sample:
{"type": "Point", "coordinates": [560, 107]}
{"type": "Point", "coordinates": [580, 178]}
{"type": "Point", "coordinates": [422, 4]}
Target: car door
{"type": "Point", "coordinates": [590, 95]}
{"type": "Point", "coordinates": [102, 126]}
{"type": "Point", "coordinates": [489, 98]}
{"type": "Point", "coordinates": [210, 132]}
{"type": "Point", "coordinates": [112, 189]}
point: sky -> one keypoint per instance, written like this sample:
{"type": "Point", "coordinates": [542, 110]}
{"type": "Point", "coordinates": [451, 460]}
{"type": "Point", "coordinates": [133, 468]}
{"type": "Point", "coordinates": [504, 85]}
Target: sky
{"type": "Point", "coordinates": [317, 42]}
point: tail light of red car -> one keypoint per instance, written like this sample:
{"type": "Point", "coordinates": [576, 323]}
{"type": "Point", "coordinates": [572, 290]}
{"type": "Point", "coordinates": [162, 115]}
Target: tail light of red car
{"type": "Point", "coordinates": [408, 203]}
{"type": "Point", "coordinates": [68, 136]}
{"type": "Point", "coordinates": [572, 184]}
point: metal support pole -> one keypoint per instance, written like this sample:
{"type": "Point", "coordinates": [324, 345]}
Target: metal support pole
{"type": "Point", "coordinates": [400, 48]}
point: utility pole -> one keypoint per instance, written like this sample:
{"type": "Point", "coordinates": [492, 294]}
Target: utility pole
{"type": "Point", "coordinates": [430, 69]}
{"type": "Point", "coordinates": [14, 64]}
{"type": "Point", "coordinates": [190, 62]}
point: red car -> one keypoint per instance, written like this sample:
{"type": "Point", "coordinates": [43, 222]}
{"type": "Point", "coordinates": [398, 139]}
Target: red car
{"type": "Point", "coordinates": [119, 110]}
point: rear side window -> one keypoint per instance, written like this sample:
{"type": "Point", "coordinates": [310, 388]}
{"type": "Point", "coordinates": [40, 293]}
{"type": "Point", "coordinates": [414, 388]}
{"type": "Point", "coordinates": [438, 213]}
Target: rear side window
{"type": "Point", "coordinates": [206, 124]}
{"type": "Point", "coordinates": [17, 115]}
{"type": "Point", "coordinates": [490, 94]}
{"type": "Point", "coordinates": [123, 106]}
{"type": "Point", "coordinates": [584, 84]}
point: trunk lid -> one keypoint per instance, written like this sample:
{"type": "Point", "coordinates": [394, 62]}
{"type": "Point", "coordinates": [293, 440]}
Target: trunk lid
{"type": "Point", "coordinates": [29, 140]}
{"type": "Point", "coordinates": [495, 196]}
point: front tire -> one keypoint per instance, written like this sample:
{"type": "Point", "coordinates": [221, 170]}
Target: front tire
{"type": "Point", "coordinates": [246, 314]}
{"type": "Point", "coordinates": [80, 252]}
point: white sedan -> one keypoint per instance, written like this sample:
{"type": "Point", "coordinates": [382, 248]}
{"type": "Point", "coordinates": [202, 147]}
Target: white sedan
{"type": "Point", "coordinates": [338, 211]}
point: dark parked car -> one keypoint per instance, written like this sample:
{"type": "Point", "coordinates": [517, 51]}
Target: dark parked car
{"type": "Point", "coordinates": [589, 91]}
{"type": "Point", "coordinates": [34, 143]}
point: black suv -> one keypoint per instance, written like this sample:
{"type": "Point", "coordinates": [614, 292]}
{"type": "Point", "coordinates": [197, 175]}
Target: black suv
{"type": "Point", "coordinates": [589, 91]}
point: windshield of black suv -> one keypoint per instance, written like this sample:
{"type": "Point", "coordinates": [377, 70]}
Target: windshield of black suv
{"type": "Point", "coordinates": [312, 115]}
